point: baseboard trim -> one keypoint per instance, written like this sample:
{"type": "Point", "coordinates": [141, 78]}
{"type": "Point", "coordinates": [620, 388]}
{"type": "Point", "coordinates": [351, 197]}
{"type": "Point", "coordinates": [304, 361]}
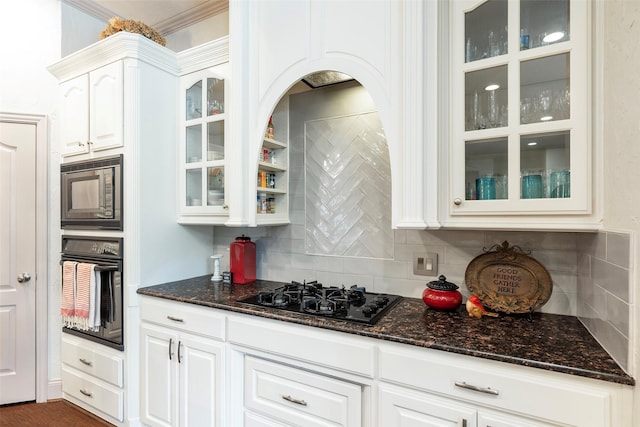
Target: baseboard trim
{"type": "Point", "coordinates": [54, 390]}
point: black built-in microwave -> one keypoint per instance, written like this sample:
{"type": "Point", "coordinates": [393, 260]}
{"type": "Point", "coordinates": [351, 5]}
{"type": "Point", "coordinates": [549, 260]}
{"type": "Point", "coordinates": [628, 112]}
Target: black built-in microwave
{"type": "Point", "coordinates": [91, 194]}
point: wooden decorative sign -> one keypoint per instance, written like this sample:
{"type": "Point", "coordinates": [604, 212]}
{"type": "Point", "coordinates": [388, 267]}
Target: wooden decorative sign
{"type": "Point", "coordinates": [509, 281]}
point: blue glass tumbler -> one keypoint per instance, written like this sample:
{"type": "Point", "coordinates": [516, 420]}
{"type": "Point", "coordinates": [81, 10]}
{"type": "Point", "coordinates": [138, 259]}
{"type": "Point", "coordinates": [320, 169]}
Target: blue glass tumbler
{"type": "Point", "coordinates": [532, 186]}
{"type": "Point", "coordinates": [486, 188]}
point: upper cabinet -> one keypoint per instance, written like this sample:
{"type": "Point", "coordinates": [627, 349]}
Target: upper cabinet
{"type": "Point", "coordinates": [202, 147]}
{"type": "Point", "coordinates": [203, 126]}
{"type": "Point", "coordinates": [91, 110]}
{"type": "Point", "coordinates": [520, 149]}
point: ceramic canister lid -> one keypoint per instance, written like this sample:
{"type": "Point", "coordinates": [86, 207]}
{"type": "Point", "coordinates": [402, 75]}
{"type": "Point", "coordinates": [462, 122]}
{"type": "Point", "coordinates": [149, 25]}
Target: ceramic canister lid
{"type": "Point", "coordinates": [442, 285]}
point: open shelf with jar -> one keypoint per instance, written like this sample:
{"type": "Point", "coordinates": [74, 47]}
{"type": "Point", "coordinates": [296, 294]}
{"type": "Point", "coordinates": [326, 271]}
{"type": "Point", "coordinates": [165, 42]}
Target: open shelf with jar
{"type": "Point", "coordinates": [202, 177]}
{"type": "Point", "coordinates": [520, 82]}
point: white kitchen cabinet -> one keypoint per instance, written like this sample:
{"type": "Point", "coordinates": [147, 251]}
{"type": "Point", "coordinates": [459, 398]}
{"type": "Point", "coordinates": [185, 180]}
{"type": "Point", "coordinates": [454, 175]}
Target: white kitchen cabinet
{"type": "Point", "coordinates": [496, 419]}
{"type": "Point", "coordinates": [403, 406]}
{"type": "Point", "coordinates": [91, 111]}
{"type": "Point", "coordinates": [520, 148]}
{"type": "Point", "coordinates": [203, 144]}
{"type": "Point", "coordinates": [149, 146]}
{"type": "Point", "coordinates": [400, 407]}
{"type": "Point", "coordinates": [498, 392]}
{"type": "Point", "coordinates": [283, 374]}
{"type": "Point", "coordinates": [93, 374]}
{"type": "Point", "coordinates": [181, 378]}
{"type": "Point", "coordinates": [297, 397]}
{"type": "Point", "coordinates": [295, 376]}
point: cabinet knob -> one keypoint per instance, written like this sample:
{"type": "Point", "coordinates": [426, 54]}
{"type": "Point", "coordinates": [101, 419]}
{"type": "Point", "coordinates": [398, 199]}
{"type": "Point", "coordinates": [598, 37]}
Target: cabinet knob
{"type": "Point", "coordinates": [457, 201]}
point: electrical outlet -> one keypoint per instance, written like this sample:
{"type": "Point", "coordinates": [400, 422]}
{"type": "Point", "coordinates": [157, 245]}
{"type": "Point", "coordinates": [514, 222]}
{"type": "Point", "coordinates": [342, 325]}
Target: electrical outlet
{"type": "Point", "coordinates": [425, 264]}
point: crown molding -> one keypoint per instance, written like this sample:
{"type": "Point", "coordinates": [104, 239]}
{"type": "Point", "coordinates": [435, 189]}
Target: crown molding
{"type": "Point", "coordinates": [164, 27]}
{"type": "Point", "coordinates": [119, 46]}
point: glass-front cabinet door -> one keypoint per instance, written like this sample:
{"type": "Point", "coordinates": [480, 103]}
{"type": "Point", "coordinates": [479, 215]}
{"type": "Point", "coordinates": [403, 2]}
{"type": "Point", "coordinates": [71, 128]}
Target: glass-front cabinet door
{"type": "Point", "coordinates": [202, 183]}
{"type": "Point", "coordinates": [519, 109]}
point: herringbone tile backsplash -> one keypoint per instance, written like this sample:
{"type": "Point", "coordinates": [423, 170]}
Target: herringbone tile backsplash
{"type": "Point", "coordinates": [347, 187]}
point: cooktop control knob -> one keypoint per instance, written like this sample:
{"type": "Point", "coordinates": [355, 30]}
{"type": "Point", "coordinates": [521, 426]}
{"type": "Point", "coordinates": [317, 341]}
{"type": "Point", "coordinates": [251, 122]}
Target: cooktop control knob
{"type": "Point", "coordinates": [381, 300]}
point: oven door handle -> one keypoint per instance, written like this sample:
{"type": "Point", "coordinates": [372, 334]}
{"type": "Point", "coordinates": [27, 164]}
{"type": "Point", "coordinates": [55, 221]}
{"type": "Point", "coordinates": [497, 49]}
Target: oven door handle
{"type": "Point", "coordinates": [107, 268]}
{"type": "Point", "coordinates": [98, 267]}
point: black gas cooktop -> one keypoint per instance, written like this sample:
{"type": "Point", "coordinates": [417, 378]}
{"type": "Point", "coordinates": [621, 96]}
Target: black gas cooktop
{"type": "Point", "coordinates": [353, 304]}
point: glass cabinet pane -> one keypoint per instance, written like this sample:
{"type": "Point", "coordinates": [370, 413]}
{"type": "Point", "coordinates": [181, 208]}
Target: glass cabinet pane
{"type": "Point", "coordinates": [543, 22]}
{"type": "Point", "coordinates": [544, 90]}
{"type": "Point", "coordinates": [215, 96]}
{"type": "Point", "coordinates": [215, 140]}
{"type": "Point", "coordinates": [194, 101]}
{"type": "Point", "coordinates": [486, 30]}
{"type": "Point", "coordinates": [544, 166]}
{"type": "Point", "coordinates": [215, 186]}
{"type": "Point", "coordinates": [194, 187]}
{"type": "Point", "coordinates": [486, 97]}
{"type": "Point", "coordinates": [193, 144]}
{"type": "Point", "coordinates": [486, 169]}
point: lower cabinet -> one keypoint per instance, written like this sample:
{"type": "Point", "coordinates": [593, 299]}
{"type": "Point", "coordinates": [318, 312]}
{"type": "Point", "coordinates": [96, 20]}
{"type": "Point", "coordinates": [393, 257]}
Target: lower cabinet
{"type": "Point", "coordinates": [403, 407]}
{"type": "Point", "coordinates": [182, 354]}
{"type": "Point", "coordinates": [286, 395]}
{"type": "Point", "coordinates": [208, 367]}
{"type": "Point", "coordinates": [429, 385]}
{"type": "Point", "coordinates": [92, 377]}
{"type": "Point", "coordinates": [180, 378]}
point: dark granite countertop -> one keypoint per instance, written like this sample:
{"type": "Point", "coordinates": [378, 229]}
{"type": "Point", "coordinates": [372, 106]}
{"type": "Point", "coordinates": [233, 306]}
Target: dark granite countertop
{"type": "Point", "coordinates": [546, 341]}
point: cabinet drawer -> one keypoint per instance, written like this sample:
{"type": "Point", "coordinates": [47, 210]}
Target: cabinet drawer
{"type": "Point", "coordinates": [574, 401]}
{"type": "Point", "coordinates": [86, 357]}
{"type": "Point", "coordinates": [299, 397]}
{"type": "Point", "coordinates": [103, 397]}
{"type": "Point", "coordinates": [188, 317]}
{"type": "Point", "coordinates": [331, 349]}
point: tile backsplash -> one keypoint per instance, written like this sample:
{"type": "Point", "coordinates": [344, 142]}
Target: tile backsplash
{"type": "Point", "coordinates": [590, 271]}
{"type": "Point", "coordinates": [604, 291]}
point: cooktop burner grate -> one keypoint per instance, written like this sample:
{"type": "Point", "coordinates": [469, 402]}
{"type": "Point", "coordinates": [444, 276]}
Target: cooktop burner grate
{"type": "Point", "coordinates": [353, 304]}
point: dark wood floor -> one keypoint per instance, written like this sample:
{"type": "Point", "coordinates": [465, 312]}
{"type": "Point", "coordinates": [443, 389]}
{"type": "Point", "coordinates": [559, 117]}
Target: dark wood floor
{"type": "Point", "coordinates": [55, 413]}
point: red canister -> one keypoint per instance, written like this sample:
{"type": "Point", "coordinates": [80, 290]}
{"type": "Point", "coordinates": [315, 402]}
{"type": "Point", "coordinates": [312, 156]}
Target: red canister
{"type": "Point", "coordinates": [243, 260]}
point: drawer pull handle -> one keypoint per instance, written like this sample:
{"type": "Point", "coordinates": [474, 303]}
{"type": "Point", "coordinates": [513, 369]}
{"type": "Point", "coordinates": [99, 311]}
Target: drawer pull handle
{"type": "Point", "coordinates": [175, 319]}
{"type": "Point", "coordinates": [86, 393]}
{"type": "Point", "coordinates": [85, 361]}
{"type": "Point", "coordinates": [487, 390]}
{"type": "Point", "coordinates": [170, 353]}
{"type": "Point", "coordinates": [294, 400]}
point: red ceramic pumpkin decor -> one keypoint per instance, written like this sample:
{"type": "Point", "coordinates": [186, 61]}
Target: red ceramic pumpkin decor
{"type": "Point", "coordinates": [442, 295]}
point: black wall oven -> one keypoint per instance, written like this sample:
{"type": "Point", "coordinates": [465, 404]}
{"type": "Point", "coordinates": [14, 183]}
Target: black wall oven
{"type": "Point", "coordinates": [106, 254]}
{"type": "Point", "coordinates": [91, 194]}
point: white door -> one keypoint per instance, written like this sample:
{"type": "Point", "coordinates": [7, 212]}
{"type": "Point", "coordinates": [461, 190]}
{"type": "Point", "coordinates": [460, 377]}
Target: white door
{"type": "Point", "coordinates": [17, 262]}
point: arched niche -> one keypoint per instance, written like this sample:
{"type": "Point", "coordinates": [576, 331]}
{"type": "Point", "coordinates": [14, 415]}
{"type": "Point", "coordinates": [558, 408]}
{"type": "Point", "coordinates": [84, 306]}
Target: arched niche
{"type": "Point", "coordinates": [385, 101]}
{"type": "Point", "coordinates": [340, 158]}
